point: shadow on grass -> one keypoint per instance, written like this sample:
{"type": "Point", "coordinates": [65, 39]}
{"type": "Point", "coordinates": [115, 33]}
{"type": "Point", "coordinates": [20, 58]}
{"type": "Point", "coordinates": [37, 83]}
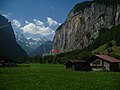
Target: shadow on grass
{"type": "Point", "coordinates": [20, 65]}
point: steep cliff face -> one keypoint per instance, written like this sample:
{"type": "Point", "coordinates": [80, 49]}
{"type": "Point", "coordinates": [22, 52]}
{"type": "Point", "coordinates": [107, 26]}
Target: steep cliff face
{"type": "Point", "coordinates": [84, 23]}
{"type": "Point", "coordinates": [8, 45]}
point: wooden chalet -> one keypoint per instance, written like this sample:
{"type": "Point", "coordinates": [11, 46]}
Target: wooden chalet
{"type": "Point", "coordinates": [77, 65]}
{"type": "Point", "coordinates": [103, 62]}
{"type": "Point", "coordinates": [8, 63]}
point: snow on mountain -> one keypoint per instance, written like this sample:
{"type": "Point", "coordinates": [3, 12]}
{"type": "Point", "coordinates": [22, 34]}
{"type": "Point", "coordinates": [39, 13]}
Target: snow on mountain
{"type": "Point", "coordinates": [29, 44]}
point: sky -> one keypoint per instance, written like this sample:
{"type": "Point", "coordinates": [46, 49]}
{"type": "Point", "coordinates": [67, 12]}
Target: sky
{"type": "Point", "coordinates": [37, 17]}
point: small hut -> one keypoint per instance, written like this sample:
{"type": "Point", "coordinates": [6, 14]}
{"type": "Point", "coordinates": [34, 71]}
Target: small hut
{"type": "Point", "coordinates": [8, 63]}
{"type": "Point", "coordinates": [104, 62]}
{"type": "Point", "coordinates": [77, 65]}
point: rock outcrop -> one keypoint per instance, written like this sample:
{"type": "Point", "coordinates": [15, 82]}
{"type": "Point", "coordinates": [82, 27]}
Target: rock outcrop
{"type": "Point", "coordinates": [84, 23]}
{"type": "Point", "coordinates": [8, 45]}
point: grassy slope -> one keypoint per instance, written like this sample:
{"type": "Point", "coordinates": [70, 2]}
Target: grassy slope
{"type": "Point", "coordinates": [108, 42]}
{"type": "Point", "coordinates": [103, 49]}
{"type": "Point", "coordinates": [55, 77]}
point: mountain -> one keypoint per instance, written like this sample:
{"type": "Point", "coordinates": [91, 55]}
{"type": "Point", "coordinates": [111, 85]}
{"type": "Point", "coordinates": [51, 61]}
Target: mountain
{"type": "Point", "coordinates": [29, 44]}
{"type": "Point", "coordinates": [8, 45]}
{"type": "Point", "coordinates": [44, 48]}
{"type": "Point", "coordinates": [108, 42]}
{"type": "Point", "coordinates": [23, 42]}
{"type": "Point", "coordinates": [84, 24]}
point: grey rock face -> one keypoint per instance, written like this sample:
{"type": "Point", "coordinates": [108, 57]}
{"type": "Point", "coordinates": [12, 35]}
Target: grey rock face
{"type": "Point", "coordinates": [81, 28]}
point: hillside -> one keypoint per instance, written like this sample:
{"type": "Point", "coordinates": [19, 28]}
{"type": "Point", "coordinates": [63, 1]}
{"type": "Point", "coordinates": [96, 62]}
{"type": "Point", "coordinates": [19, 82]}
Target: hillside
{"type": "Point", "coordinates": [108, 42]}
{"type": "Point", "coordinates": [8, 45]}
{"type": "Point", "coordinates": [43, 49]}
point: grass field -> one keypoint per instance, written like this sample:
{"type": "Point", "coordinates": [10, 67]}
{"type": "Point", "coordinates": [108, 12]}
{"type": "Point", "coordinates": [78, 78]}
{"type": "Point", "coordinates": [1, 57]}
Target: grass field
{"type": "Point", "coordinates": [55, 77]}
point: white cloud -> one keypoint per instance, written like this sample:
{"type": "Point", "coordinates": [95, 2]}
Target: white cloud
{"type": "Point", "coordinates": [38, 22]}
{"type": "Point", "coordinates": [53, 32]}
{"type": "Point", "coordinates": [26, 22]}
{"type": "Point", "coordinates": [59, 24]}
{"type": "Point", "coordinates": [16, 23]}
{"type": "Point", "coordinates": [5, 15]}
{"type": "Point", "coordinates": [37, 27]}
{"type": "Point", "coordinates": [51, 22]}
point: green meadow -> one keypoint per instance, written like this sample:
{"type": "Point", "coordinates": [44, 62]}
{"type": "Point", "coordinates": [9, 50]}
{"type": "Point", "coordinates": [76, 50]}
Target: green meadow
{"type": "Point", "coordinates": [55, 77]}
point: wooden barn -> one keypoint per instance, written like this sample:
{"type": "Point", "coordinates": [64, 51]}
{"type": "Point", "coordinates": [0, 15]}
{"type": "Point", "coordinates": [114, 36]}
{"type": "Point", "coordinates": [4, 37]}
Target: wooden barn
{"type": "Point", "coordinates": [8, 63]}
{"type": "Point", "coordinates": [103, 62]}
{"type": "Point", "coordinates": [77, 65]}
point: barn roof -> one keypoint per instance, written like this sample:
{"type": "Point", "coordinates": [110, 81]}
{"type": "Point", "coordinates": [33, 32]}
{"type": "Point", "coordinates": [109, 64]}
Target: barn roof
{"type": "Point", "coordinates": [107, 58]}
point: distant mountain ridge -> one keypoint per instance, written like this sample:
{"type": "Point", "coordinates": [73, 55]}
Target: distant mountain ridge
{"type": "Point", "coordinates": [8, 45]}
{"type": "Point", "coordinates": [43, 49]}
{"type": "Point", "coordinates": [29, 44]}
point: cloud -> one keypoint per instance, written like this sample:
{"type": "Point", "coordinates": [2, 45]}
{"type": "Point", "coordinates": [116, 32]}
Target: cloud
{"type": "Point", "coordinates": [5, 15]}
{"type": "Point", "coordinates": [26, 22]}
{"type": "Point", "coordinates": [59, 24]}
{"type": "Point", "coordinates": [52, 22]}
{"type": "Point", "coordinates": [37, 27]}
{"type": "Point", "coordinates": [16, 23]}
{"type": "Point", "coordinates": [38, 22]}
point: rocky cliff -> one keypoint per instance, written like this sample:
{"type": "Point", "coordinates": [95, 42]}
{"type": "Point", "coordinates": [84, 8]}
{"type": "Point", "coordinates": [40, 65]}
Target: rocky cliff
{"type": "Point", "coordinates": [84, 23]}
{"type": "Point", "coordinates": [8, 45]}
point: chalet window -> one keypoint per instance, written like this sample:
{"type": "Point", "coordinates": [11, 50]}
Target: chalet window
{"type": "Point", "coordinates": [97, 62]}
